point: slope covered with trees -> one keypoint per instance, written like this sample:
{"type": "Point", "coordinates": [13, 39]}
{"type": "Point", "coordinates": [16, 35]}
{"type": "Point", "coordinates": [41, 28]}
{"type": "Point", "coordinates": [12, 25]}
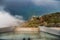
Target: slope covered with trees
{"type": "Point", "coordinates": [52, 19]}
{"type": "Point", "coordinates": [49, 20]}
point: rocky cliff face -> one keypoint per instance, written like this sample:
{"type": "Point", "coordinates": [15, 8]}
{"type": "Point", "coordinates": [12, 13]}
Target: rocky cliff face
{"type": "Point", "coordinates": [35, 22]}
{"type": "Point", "coordinates": [50, 20]}
{"type": "Point", "coordinates": [53, 19]}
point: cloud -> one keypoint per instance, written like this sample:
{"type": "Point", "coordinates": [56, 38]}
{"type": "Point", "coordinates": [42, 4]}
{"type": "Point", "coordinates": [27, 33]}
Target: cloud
{"type": "Point", "coordinates": [45, 2]}
{"type": "Point", "coordinates": [57, 0]}
{"type": "Point", "coordinates": [7, 20]}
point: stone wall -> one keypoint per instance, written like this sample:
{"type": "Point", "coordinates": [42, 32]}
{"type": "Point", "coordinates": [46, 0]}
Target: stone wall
{"type": "Point", "coordinates": [27, 30]}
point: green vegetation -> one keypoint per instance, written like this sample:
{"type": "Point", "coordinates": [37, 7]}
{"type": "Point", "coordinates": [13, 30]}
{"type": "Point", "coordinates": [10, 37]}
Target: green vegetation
{"type": "Point", "coordinates": [49, 20]}
{"type": "Point", "coordinates": [33, 23]}
{"type": "Point", "coordinates": [52, 19]}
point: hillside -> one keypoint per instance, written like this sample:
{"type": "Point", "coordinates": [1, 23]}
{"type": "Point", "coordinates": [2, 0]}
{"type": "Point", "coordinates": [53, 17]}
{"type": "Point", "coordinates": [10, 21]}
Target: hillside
{"type": "Point", "coordinates": [52, 19]}
{"type": "Point", "coordinates": [49, 20]}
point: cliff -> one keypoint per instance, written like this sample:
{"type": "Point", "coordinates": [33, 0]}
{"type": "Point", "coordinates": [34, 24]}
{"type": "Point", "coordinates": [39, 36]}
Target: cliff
{"type": "Point", "coordinates": [49, 20]}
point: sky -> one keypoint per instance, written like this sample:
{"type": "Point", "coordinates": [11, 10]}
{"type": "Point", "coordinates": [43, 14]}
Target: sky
{"type": "Point", "coordinates": [24, 9]}
{"type": "Point", "coordinates": [49, 3]}
{"type": "Point", "coordinates": [7, 20]}
{"type": "Point", "coordinates": [27, 8]}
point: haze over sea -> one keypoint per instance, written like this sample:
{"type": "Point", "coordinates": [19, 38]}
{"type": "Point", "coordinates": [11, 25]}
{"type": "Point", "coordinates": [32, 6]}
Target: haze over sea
{"type": "Point", "coordinates": [27, 8]}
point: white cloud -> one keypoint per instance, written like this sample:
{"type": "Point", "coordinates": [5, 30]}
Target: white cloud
{"type": "Point", "coordinates": [7, 20]}
{"type": "Point", "coordinates": [44, 2]}
{"type": "Point", "coordinates": [47, 3]}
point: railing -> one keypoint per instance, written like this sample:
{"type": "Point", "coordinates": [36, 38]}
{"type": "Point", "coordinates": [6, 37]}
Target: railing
{"type": "Point", "coordinates": [49, 30]}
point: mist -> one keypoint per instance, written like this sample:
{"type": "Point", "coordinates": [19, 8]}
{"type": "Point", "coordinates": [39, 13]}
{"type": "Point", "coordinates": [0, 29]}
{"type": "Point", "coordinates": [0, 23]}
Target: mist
{"type": "Point", "coordinates": [7, 20]}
